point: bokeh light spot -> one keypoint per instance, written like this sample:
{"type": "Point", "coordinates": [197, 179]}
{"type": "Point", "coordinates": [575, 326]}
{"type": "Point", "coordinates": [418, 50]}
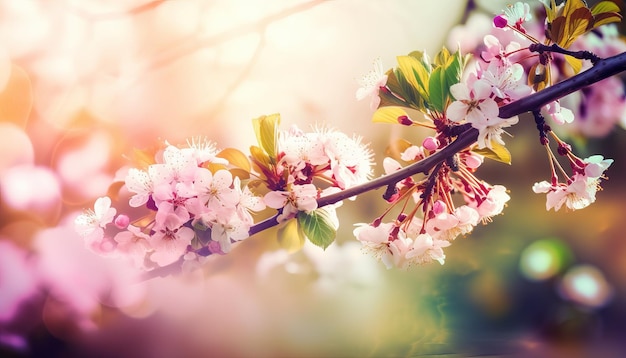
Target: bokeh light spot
{"type": "Point", "coordinates": [543, 259]}
{"type": "Point", "coordinates": [585, 284]}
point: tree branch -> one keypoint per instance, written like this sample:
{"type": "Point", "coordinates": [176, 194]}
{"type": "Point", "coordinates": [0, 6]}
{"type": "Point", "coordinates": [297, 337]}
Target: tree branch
{"type": "Point", "coordinates": [603, 69]}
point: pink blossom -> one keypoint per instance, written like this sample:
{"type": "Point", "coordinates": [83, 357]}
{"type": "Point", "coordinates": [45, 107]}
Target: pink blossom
{"type": "Point", "coordinates": [133, 245]}
{"type": "Point", "coordinates": [507, 82]}
{"type": "Point", "coordinates": [468, 218]}
{"type": "Point", "coordinates": [170, 239]}
{"type": "Point", "coordinates": [177, 166]}
{"type": "Point", "coordinates": [578, 194]}
{"type": "Point", "coordinates": [169, 203]}
{"type": "Point", "coordinates": [229, 228]}
{"type": "Point", "coordinates": [397, 252]}
{"type": "Point", "coordinates": [376, 240]}
{"type": "Point", "coordinates": [495, 53]}
{"type": "Point", "coordinates": [560, 115]}
{"type": "Point", "coordinates": [299, 198]}
{"type": "Point", "coordinates": [91, 224]}
{"type": "Point", "coordinates": [18, 279]}
{"type": "Point", "coordinates": [414, 153]}
{"type": "Point", "coordinates": [247, 201]}
{"type": "Point", "coordinates": [391, 165]}
{"type": "Point", "coordinates": [425, 249]}
{"type": "Point", "coordinates": [214, 190]}
{"type": "Point", "coordinates": [373, 234]}
{"type": "Point", "coordinates": [300, 148]}
{"type": "Point", "coordinates": [596, 165]}
{"type": "Point", "coordinates": [493, 204]}
{"type": "Point", "coordinates": [203, 151]}
{"type": "Point", "coordinates": [472, 105]}
{"type": "Point", "coordinates": [490, 131]}
{"type": "Point", "coordinates": [371, 83]}
{"type": "Point", "coordinates": [350, 160]}
{"type": "Point", "coordinates": [99, 217]}
{"type": "Point", "coordinates": [138, 182]}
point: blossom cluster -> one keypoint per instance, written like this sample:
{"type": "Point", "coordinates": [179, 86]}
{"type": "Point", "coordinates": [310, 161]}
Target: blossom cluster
{"type": "Point", "coordinates": [330, 157]}
{"type": "Point", "coordinates": [506, 68]}
{"type": "Point", "coordinates": [580, 188]}
{"type": "Point", "coordinates": [592, 112]}
{"type": "Point", "coordinates": [193, 202]}
{"type": "Point", "coordinates": [410, 239]}
{"type": "Point", "coordinates": [186, 195]}
{"type": "Point", "coordinates": [196, 201]}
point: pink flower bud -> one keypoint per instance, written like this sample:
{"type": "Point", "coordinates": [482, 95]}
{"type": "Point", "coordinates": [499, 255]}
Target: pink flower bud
{"type": "Point", "coordinates": [405, 120]}
{"type": "Point", "coordinates": [439, 207]}
{"type": "Point", "coordinates": [122, 221]}
{"type": "Point", "coordinates": [473, 161]}
{"type": "Point", "coordinates": [500, 21]}
{"type": "Point", "coordinates": [430, 143]}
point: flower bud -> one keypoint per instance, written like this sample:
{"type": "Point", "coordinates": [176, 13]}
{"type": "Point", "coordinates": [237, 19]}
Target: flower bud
{"type": "Point", "coordinates": [405, 120]}
{"type": "Point", "coordinates": [500, 21]}
{"type": "Point", "coordinates": [430, 143]}
{"type": "Point", "coordinates": [439, 207]}
{"type": "Point", "coordinates": [122, 221]}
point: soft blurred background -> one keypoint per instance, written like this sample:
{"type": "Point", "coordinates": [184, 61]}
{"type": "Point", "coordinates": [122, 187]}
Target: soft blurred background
{"type": "Point", "coordinates": [84, 82]}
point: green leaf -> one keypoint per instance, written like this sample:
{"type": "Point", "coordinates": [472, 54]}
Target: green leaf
{"type": "Point", "coordinates": [318, 227]}
{"type": "Point", "coordinates": [604, 6]}
{"type": "Point", "coordinates": [438, 93]}
{"type": "Point", "coordinates": [408, 91]}
{"type": "Point", "coordinates": [290, 237]}
{"type": "Point", "coordinates": [266, 130]}
{"type": "Point", "coordinates": [454, 70]}
{"type": "Point", "coordinates": [498, 153]}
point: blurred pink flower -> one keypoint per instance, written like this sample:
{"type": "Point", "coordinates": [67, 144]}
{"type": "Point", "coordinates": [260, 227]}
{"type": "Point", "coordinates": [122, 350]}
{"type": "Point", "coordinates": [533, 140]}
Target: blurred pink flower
{"type": "Point", "coordinates": [18, 279]}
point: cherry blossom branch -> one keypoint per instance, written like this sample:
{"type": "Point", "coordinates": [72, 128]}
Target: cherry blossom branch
{"type": "Point", "coordinates": [603, 69]}
{"type": "Point", "coordinates": [582, 55]}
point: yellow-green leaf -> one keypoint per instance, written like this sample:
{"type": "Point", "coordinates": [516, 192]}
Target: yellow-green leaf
{"type": "Point", "coordinates": [604, 7]}
{"type": "Point", "coordinates": [442, 57]}
{"type": "Point", "coordinates": [266, 130]}
{"type": "Point", "coordinates": [388, 114]}
{"type": "Point", "coordinates": [259, 156]}
{"type": "Point", "coordinates": [578, 23]}
{"type": "Point", "coordinates": [576, 64]}
{"type": "Point", "coordinates": [415, 73]}
{"type": "Point", "coordinates": [408, 92]}
{"type": "Point", "coordinates": [236, 158]}
{"type": "Point", "coordinates": [290, 237]}
{"type": "Point", "coordinates": [318, 227]}
{"type": "Point", "coordinates": [497, 152]}
{"type": "Point", "coordinates": [606, 18]}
